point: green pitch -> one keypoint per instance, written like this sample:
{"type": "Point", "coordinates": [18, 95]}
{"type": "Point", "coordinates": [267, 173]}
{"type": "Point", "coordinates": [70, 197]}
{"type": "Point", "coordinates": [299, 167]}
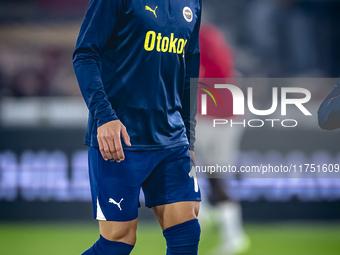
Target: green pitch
{"type": "Point", "coordinates": [73, 238]}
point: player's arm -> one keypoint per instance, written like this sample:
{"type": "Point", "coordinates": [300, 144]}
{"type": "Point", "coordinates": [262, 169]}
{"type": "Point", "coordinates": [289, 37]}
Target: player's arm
{"type": "Point", "coordinates": [329, 111]}
{"type": "Point", "coordinates": [100, 23]}
{"type": "Point", "coordinates": [189, 104]}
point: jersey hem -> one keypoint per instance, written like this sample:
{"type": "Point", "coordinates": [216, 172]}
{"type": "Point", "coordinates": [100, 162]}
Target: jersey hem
{"type": "Point", "coordinates": [119, 220]}
{"type": "Point", "coordinates": [172, 201]}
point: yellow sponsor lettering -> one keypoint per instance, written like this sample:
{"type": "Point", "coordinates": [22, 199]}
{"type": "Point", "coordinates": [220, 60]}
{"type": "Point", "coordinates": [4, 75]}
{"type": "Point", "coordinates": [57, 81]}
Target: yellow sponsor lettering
{"type": "Point", "coordinates": [173, 44]}
{"type": "Point", "coordinates": [164, 44]}
{"type": "Point", "coordinates": [149, 46]}
{"type": "Point", "coordinates": [180, 46]}
{"type": "Point", "coordinates": [159, 39]}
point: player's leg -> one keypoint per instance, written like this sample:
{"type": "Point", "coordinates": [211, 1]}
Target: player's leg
{"type": "Point", "coordinates": [172, 191]}
{"type": "Point", "coordinates": [218, 191]}
{"type": "Point", "coordinates": [173, 214]}
{"type": "Point", "coordinates": [222, 151]}
{"type": "Point", "coordinates": [116, 238]}
{"type": "Point", "coordinates": [124, 232]}
{"type": "Point", "coordinates": [115, 193]}
{"type": "Point", "coordinates": [233, 237]}
{"type": "Point", "coordinates": [180, 226]}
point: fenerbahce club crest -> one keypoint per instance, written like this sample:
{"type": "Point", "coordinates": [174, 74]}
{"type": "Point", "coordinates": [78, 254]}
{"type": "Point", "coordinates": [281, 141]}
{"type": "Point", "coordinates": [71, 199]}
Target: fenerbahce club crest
{"type": "Point", "coordinates": [187, 13]}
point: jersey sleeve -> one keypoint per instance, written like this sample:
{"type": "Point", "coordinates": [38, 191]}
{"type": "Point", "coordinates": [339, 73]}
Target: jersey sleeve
{"type": "Point", "coordinates": [100, 22]}
{"type": "Point", "coordinates": [329, 110]}
{"type": "Point", "coordinates": [192, 62]}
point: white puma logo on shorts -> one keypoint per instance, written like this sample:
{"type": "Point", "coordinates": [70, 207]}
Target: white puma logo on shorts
{"type": "Point", "coordinates": [117, 204]}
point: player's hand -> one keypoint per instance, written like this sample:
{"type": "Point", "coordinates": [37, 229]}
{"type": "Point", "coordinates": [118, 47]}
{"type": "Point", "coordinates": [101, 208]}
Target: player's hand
{"type": "Point", "coordinates": [110, 145]}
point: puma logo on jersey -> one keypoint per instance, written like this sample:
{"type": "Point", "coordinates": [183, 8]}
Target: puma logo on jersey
{"type": "Point", "coordinates": [117, 204]}
{"type": "Point", "coordinates": [147, 8]}
{"type": "Point", "coordinates": [163, 43]}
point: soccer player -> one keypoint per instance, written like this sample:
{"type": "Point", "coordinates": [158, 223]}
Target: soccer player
{"type": "Point", "coordinates": [133, 61]}
{"type": "Point", "coordinates": [329, 111]}
{"type": "Point", "coordinates": [220, 144]}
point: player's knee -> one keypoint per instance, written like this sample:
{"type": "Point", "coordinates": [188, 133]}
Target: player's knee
{"type": "Point", "coordinates": [119, 231]}
{"type": "Point", "coordinates": [183, 238]}
{"type": "Point", "coordinates": [127, 235]}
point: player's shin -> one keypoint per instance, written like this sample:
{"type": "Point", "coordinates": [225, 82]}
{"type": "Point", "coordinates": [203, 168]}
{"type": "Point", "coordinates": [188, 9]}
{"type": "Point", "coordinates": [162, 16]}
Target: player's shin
{"type": "Point", "coordinates": [183, 238]}
{"type": "Point", "coordinates": [106, 247]}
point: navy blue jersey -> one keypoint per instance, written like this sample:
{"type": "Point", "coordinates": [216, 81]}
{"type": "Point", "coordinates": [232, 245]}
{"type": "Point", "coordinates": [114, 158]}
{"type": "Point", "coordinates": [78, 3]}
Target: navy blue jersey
{"type": "Point", "coordinates": [133, 61]}
{"type": "Point", "coordinates": [329, 111]}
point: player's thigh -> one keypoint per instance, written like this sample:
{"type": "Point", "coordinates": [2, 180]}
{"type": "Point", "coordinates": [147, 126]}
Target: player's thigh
{"type": "Point", "coordinates": [119, 231]}
{"type": "Point", "coordinates": [172, 189]}
{"type": "Point", "coordinates": [172, 180]}
{"type": "Point", "coordinates": [115, 187]}
{"type": "Point", "coordinates": [173, 214]}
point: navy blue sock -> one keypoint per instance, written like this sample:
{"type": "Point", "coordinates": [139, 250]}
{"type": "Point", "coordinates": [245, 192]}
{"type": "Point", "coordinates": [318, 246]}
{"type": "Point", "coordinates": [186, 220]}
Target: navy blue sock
{"type": "Point", "coordinates": [183, 238]}
{"type": "Point", "coordinates": [106, 247]}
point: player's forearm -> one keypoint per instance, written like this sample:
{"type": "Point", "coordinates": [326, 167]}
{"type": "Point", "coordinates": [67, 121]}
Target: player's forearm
{"type": "Point", "coordinates": [188, 113]}
{"type": "Point", "coordinates": [189, 103]}
{"type": "Point", "coordinates": [92, 89]}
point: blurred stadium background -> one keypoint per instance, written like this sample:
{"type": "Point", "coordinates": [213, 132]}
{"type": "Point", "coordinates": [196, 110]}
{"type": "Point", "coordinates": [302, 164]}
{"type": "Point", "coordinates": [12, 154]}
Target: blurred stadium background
{"type": "Point", "coordinates": [44, 191]}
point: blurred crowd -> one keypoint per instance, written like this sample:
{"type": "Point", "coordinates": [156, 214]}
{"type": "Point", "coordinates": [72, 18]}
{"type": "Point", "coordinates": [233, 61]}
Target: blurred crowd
{"type": "Point", "coordinates": [281, 38]}
{"type": "Point", "coordinates": [39, 72]}
{"type": "Point", "coordinates": [270, 38]}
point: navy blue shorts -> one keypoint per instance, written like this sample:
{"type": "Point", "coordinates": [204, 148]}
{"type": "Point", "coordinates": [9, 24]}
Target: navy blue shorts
{"type": "Point", "coordinates": [164, 176]}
